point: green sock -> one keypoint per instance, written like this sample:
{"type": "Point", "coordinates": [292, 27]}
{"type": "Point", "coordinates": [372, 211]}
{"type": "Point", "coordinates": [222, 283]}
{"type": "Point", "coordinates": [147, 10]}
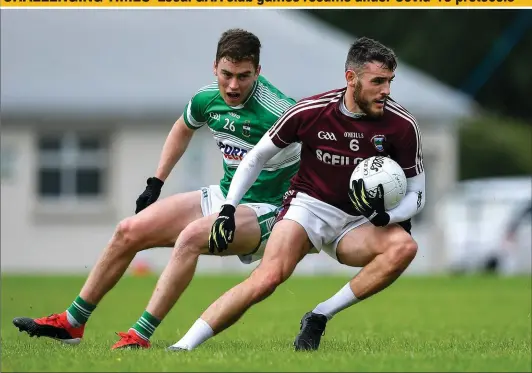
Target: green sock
{"type": "Point", "coordinates": [145, 326]}
{"type": "Point", "coordinates": [79, 312]}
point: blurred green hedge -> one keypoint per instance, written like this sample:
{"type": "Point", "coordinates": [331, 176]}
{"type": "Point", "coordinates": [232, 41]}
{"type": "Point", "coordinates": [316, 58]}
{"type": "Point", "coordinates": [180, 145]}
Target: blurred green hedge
{"type": "Point", "coordinates": [492, 146]}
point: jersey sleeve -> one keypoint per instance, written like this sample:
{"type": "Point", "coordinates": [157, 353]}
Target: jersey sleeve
{"type": "Point", "coordinates": [409, 154]}
{"type": "Point", "coordinates": [285, 130]}
{"type": "Point", "coordinates": [413, 202]}
{"type": "Point", "coordinates": [194, 113]}
{"type": "Point", "coordinates": [249, 169]}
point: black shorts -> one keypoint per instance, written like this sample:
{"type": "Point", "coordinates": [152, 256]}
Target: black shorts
{"type": "Point", "coordinates": [407, 226]}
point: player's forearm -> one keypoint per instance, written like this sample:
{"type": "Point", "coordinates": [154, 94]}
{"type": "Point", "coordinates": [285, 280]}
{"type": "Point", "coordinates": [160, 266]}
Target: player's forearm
{"type": "Point", "coordinates": [173, 149]}
{"type": "Point", "coordinates": [412, 203]}
{"type": "Point", "coordinates": [250, 168]}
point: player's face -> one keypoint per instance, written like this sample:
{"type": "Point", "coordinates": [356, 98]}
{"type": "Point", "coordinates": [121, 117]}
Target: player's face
{"type": "Point", "coordinates": [235, 80]}
{"type": "Point", "coordinates": [371, 87]}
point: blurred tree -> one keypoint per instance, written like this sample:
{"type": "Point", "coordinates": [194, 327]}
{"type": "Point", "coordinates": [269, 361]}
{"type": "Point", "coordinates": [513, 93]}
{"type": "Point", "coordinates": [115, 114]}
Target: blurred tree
{"type": "Point", "coordinates": [451, 45]}
{"type": "Point", "coordinates": [493, 146]}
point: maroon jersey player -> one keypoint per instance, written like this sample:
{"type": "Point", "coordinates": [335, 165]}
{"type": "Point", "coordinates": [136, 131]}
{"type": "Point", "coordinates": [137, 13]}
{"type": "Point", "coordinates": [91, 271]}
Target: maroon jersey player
{"type": "Point", "coordinates": [337, 130]}
{"type": "Point", "coordinates": [335, 140]}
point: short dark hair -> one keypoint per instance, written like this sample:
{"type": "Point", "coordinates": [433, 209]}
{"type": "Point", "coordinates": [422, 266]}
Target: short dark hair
{"type": "Point", "coordinates": [365, 50]}
{"type": "Point", "coordinates": [239, 45]}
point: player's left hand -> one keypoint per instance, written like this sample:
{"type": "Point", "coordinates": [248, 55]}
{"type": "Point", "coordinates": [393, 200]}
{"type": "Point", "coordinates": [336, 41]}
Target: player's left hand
{"type": "Point", "coordinates": [371, 207]}
{"type": "Point", "coordinates": [223, 230]}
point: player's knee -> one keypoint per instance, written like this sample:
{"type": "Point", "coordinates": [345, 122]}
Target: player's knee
{"type": "Point", "coordinates": [266, 281]}
{"type": "Point", "coordinates": [127, 234]}
{"type": "Point", "coordinates": [191, 241]}
{"type": "Point", "coordinates": [402, 248]}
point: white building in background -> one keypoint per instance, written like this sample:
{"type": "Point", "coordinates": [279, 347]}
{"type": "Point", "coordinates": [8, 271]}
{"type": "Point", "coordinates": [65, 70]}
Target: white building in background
{"type": "Point", "coordinates": [88, 98]}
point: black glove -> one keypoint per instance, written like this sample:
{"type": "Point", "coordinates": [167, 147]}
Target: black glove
{"type": "Point", "coordinates": [370, 205]}
{"type": "Point", "coordinates": [150, 194]}
{"type": "Point", "coordinates": [223, 230]}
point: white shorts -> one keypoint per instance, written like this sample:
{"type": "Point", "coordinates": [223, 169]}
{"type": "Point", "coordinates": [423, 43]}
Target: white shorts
{"type": "Point", "coordinates": [325, 224]}
{"type": "Point", "coordinates": [212, 200]}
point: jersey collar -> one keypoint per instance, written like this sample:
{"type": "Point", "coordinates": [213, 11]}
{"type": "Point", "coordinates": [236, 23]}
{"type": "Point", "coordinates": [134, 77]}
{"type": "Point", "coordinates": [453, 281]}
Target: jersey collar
{"type": "Point", "coordinates": [345, 111]}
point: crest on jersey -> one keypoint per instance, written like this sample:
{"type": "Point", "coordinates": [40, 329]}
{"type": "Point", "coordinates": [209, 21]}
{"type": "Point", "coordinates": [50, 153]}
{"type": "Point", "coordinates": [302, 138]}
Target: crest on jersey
{"type": "Point", "coordinates": [246, 129]}
{"type": "Point", "coordinates": [378, 142]}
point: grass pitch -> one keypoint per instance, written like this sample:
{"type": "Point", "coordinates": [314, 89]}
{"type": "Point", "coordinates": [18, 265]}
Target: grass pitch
{"type": "Point", "coordinates": [418, 324]}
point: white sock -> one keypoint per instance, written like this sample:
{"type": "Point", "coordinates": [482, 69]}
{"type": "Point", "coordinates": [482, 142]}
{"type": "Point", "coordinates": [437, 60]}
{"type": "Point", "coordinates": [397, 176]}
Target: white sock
{"type": "Point", "coordinates": [196, 335]}
{"type": "Point", "coordinates": [138, 333]}
{"type": "Point", "coordinates": [72, 321]}
{"type": "Point", "coordinates": [339, 301]}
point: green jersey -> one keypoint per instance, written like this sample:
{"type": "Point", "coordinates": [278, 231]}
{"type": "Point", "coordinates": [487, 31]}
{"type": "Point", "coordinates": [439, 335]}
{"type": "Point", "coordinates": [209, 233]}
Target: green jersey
{"type": "Point", "coordinates": [237, 129]}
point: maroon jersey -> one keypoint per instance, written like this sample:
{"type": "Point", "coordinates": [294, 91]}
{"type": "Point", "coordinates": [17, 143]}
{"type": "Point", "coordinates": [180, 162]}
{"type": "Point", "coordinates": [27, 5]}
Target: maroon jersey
{"type": "Point", "coordinates": [334, 141]}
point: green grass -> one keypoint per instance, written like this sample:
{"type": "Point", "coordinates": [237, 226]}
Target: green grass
{"type": "Point", "coordinates": [418, 324]}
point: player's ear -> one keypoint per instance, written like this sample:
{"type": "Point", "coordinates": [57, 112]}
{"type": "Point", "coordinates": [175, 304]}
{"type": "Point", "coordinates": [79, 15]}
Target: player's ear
{"type": "Point", "coordinates": [257, 72]}
{"type": "Point", "coordinates": [215, 68]}
{"type": "Point", "coordinates": [351, 78]}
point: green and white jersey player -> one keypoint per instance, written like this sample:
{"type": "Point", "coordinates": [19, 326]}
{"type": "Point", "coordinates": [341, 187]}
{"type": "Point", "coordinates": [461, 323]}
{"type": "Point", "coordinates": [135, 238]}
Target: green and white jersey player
{"type": "Point", "coordinates": [239, 108]}
{"type": "Point", "coordinates": [236, 129]}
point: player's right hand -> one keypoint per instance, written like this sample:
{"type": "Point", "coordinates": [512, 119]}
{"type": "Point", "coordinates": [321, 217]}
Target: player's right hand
{"type": "Point", "coordinates": [371, 207]}
{"type": "Point", "coordinates": [223, 230]}
{"type": "Point", "coordinates": [150, 194]}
